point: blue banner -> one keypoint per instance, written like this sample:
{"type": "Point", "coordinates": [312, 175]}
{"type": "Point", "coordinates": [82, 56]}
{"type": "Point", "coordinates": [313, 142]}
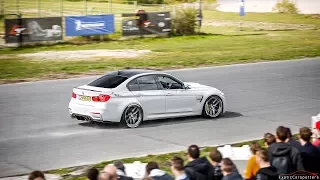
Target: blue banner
{"type": "Point", "coordinates": [242, 12]}
{"type": "Point", "coordinates": [89, 25]}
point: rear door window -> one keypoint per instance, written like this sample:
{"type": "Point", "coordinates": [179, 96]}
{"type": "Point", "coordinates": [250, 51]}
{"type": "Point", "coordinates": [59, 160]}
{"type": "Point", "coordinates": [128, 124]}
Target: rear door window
{"type": "Point", "coordinates": [108, 81]}
{"type": "Point", "coordinates": [147, 83]}
{"type": "Point", "coordinates": [143, 83]}
{"type": "Point", "coordinates": [133, 85]}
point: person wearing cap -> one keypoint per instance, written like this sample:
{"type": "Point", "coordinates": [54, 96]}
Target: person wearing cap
{"type": "Point", "coordinates": [317, 134]}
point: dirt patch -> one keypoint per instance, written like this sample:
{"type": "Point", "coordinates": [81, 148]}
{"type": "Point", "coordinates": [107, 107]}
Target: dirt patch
{"type": "Point", "coordinates": [260, 25]}
{"type": "Point", "coordinates": [84, 54]}
{"type": "Point", "coordinates": [316, 16]}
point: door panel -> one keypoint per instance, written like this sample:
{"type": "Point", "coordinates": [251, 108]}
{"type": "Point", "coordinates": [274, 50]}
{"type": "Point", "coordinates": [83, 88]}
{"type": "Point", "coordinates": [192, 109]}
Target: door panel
{"type": "Point", "coordinates": [146, 90]}
{"type": "Point", "coordinates": [178, 99]}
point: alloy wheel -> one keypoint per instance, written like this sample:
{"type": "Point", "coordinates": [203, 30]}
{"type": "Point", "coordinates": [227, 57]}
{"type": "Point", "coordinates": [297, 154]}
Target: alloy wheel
{"type": "Point", "coordinates": [213, 106]}
{"type": "Point", "coordinates": [133, 116]}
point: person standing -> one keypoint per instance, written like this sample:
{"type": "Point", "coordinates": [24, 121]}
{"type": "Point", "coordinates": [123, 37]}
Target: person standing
{"type": "Point", "coordinates": [309, 153]}
{"type": "Point", "coordinates": [291, 141]}
{"type": "Point", "coordinates": [269, 139]}
{"type": "Point", "coordinates": [198, 168]}
{"type": "Point", "coordinates": [177, 168]}
{"type": "Point", "coordinates": [284, 156]}
{"type": "Point", "coordinates": [252, 166]}
{"type": "Point", "coordinates": [92, 174]}
{"type": "Point", "coordinates": [266, 171]}
{"type": "Point", "coordinates": [153, 171]}
{"type": "Point", "coordinates": [227, 167]}
{"type": "Point", "coordinates": [316, 142]}
{"type": "Point", "coordinates": [36, 175]}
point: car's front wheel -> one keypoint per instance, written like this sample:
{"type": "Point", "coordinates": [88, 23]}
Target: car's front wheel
{"type": "Point", "coordinates": [212, 107]}
{"type": "Point", "coordinates": [132, 116]}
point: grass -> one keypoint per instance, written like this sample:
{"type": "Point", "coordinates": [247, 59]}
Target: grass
{"type": "Point", "coordinates": [61, 171]}
{"type": "Point", "coordinates": [162, 159]}
{"type": "Point", "coordinates": [313, 19]}
{"type": "Point", "coordinates": [221, 46]}
{"type": "Point", "coordinates": [168, 53]}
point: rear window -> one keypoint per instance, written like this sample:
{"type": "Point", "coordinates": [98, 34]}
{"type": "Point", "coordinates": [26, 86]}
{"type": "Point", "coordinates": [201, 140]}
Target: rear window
{"type": "Point", "coordinates": [108, 81]}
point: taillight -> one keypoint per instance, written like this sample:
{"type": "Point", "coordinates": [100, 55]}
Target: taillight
{"type": "Point", "coordinates": [74, 95]}
{"type": "Point", "coordinates": [95, 98]}
{"type": "Point", "coordinates": [101, 98]}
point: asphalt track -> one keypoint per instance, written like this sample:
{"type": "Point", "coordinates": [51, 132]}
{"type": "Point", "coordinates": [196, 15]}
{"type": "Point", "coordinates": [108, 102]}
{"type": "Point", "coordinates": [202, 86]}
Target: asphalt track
{"type": "Point", "coordinates": [37, 133]}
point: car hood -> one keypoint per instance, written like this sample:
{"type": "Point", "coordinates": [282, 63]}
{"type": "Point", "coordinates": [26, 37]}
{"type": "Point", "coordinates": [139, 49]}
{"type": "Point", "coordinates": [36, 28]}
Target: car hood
{"type": "Point", "coordinates": [194, 85]}
{"type": "Point", "coordinates": [201, 87]}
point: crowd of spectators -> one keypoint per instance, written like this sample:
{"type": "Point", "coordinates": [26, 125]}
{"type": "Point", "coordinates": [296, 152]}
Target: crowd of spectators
{"type": "Point", "coordinates": [280, 155]}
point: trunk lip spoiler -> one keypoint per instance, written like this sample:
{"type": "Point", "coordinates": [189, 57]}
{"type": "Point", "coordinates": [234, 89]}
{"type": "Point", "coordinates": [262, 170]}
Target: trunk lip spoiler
{"type": "Point", "coordinates": [87, 89]}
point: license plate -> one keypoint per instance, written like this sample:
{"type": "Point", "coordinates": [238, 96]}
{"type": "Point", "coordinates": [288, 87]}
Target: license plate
{"type": "Point", "coordinates": [85, 98]}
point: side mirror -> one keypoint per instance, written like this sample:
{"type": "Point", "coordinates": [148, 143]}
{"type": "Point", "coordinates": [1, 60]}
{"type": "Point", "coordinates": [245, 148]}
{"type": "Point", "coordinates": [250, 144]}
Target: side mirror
{"type": "Point", "coordinates": [186, 86]}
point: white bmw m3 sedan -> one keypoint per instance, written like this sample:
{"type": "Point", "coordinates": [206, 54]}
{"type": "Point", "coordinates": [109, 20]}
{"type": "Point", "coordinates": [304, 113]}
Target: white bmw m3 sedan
{"type": "Point", "coordinates": [133, 96]}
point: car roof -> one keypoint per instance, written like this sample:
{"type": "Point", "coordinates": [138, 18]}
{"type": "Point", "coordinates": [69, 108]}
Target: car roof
{"type": "Point", "coordinates": [131, 72]}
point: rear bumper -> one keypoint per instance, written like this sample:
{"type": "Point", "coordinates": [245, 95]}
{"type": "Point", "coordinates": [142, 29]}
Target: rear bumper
{"type": "Point", "coordinates": [82, 117]}
{"type": "Point", "coordinates": [89, 113]}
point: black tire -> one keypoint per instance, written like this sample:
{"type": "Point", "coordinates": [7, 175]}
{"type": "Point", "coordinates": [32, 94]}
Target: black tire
{"type": "Point", "coordinates": [204, 113]}
{"type": "Point", "coordinates": [123, 121]}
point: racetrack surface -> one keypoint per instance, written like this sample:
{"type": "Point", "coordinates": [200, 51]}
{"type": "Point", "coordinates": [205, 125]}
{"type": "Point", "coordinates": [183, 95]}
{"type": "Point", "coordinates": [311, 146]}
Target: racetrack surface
{"type": "Point", "coordinates": [37, 133]}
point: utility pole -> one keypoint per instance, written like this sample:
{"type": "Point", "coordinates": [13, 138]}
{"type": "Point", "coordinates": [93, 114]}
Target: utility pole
{"type": "Point", "coordinates": [200, 16]}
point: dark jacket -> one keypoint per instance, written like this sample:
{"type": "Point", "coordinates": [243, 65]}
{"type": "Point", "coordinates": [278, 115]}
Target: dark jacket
{"type": "Point", "coordinates": [199, 169]}
{"type": "Point", "coordinates": [283, 149]}
{"type": "Point", "coordinates": [295, 144]}
{"type": "Point", "coordinates": [233, 176]}
{"type": "Point", "coordinates": [158, 174]}
{"type": "Point", "coordinates": [310, 158]}
{"type": "Point", "coordinates": [268, 173]}
{"type": "Point", "coordinates": [122, 175]}
{"type": "Point", "coordinates": [217, 172]}
{"type": "Point", "coordinates": [124, 178]}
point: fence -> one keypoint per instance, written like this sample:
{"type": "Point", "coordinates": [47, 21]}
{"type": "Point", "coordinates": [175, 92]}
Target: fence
{"type": "Point", "coordinates": [44, 8]}
{"type": "Point", "coordinates": [62, 8]}
{"type": "Point", "coordinates": [54, 8]}
{"type": "Point", "coordinates": [37, 12]}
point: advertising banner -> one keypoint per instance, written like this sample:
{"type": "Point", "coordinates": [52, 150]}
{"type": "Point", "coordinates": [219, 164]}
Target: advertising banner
{"type": "Point", "coordinates": [33, 29]}
{"type": "Point", "coordinates": [155, 23]}
{"type": "Point", "coordinates": [89, 25]}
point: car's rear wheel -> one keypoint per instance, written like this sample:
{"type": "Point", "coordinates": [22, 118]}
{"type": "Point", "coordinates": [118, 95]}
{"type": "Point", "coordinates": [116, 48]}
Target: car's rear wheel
{"type": "Point", "coordinates": [212, 107]}
{"type": "Point", "coordinates": [132, 116]}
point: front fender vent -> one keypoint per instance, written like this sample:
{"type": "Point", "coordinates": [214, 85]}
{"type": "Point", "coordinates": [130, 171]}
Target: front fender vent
{"type": "Point", "coordinates": [199, 98]}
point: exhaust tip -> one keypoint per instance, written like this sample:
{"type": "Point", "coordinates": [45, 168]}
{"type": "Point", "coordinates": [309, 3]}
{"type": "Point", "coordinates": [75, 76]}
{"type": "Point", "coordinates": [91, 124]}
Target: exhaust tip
{"type": "Point", "coordinates": [81, 118]}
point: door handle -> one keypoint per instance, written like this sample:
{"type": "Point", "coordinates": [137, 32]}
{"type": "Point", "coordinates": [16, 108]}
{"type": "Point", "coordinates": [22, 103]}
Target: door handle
{"type": "Point", "coordinates": [139, 95]}
{"type": "Point", "coordinates": [168, 94]}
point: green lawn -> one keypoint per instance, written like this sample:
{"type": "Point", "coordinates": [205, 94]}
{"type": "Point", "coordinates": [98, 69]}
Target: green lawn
{"type": "Point", "coordinates": [222, 45]}
{"type": "Point", "coordinates": [264, 17]}
{"type": "Point", "coordinates": [175, 52]}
